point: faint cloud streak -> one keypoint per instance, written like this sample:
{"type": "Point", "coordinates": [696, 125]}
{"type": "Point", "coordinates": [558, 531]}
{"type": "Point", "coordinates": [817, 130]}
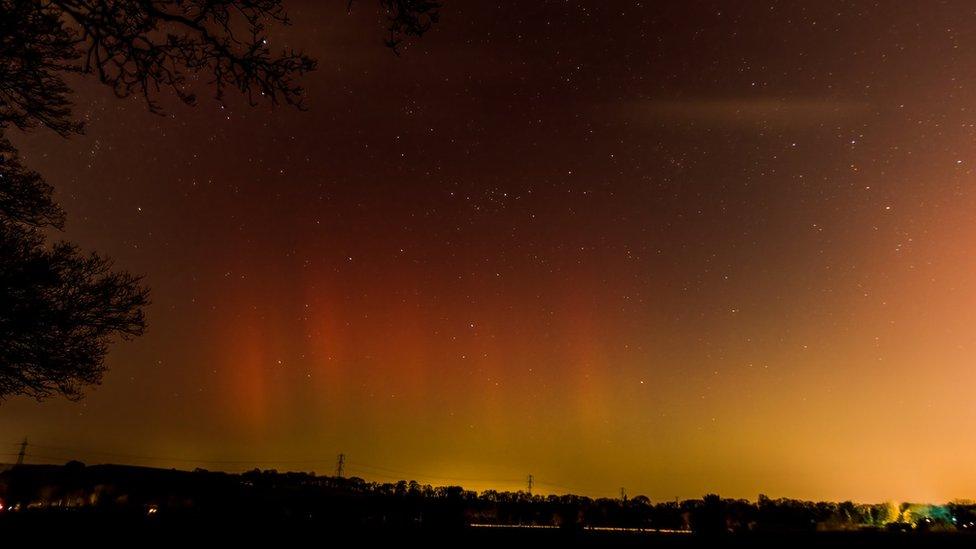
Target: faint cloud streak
{"type": "Point", "coordinates": [763, 112]}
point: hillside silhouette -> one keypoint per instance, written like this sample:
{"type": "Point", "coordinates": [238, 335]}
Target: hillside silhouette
{"type": "Point", "coordinates": [139, 500]}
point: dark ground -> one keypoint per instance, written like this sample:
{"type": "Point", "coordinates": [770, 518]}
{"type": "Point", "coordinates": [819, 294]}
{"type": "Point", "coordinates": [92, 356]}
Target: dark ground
{"type": "Point", "coordinates": [94, 529]}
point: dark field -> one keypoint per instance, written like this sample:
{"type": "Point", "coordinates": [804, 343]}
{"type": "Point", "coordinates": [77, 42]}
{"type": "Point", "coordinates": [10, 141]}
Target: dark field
{"type": "Point", "coordinates": [136, 506]}
{"type": "Point", "coordinates": [74, 527]}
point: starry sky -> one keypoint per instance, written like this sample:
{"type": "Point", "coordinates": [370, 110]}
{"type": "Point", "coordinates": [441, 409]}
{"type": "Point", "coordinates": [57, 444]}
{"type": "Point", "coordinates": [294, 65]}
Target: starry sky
{"type": "Point", "coordinates": [677, 247]}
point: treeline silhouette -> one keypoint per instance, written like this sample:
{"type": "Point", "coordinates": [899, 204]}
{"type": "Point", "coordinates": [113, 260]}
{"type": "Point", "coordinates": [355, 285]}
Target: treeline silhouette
{"type": "Point", "coordinates": [153, 494]}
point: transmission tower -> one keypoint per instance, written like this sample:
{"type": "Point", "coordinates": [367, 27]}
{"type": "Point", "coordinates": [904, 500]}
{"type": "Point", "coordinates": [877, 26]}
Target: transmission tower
{"type": "Point", "coordinates": [22, 452]}
{"type": "Point", "coordinates": [530, 483]}
{"type": "Point", "coordinates": [340, 465]}
{"type": "Point", "coordinates": [623, 494]}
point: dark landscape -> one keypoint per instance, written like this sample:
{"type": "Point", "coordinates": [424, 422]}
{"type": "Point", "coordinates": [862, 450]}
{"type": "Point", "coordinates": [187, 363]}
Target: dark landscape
{"type": "Point", "coordinates": [128, 502]}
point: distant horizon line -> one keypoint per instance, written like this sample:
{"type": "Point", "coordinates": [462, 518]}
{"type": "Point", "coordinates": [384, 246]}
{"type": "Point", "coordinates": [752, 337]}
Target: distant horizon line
{"type": "Point", "coordinates": [4, 467]}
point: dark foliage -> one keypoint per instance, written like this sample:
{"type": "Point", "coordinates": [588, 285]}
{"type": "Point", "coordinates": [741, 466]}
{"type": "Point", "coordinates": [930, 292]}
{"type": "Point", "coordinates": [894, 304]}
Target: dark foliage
{"type": "Point", "coordinates": [59, 308]}
{"type": "Point", "coordinates": [25, 198]}
{"type": "Point", "coordinates": [145, 46]}
{"type": "Point", "coordinates": [36, 49]}
{"type": "Point", "coordinates": [408, 18]}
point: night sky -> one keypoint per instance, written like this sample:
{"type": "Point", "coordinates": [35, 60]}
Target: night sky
{"type": "Point", "coordinates": [677, 247]}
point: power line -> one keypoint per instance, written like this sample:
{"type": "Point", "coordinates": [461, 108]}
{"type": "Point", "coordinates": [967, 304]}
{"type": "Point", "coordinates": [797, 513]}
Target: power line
{"type": "Point", "coordinates": [426, 475]}
{"type": "Point", "coordinates": [401, 475]}
{"type": "Point", "coordinates": [355, 465]}
{"type": "Point", "coordinates": [568, 489]}
{"type": "Point", "coordinates": [342, 467]}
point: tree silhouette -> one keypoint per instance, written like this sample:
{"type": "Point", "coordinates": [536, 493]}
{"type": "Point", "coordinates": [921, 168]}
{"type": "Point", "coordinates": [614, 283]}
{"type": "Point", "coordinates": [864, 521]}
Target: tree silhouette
{"type": "Point", "coordinates": [59, 308]}
{"type": "Point", "coordinates": [144, 46]}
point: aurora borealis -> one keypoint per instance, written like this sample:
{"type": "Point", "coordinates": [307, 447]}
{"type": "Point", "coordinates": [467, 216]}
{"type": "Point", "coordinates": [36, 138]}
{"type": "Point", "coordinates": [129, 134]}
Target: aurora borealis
{"type": "Point", "coordinates": [676, 247]}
